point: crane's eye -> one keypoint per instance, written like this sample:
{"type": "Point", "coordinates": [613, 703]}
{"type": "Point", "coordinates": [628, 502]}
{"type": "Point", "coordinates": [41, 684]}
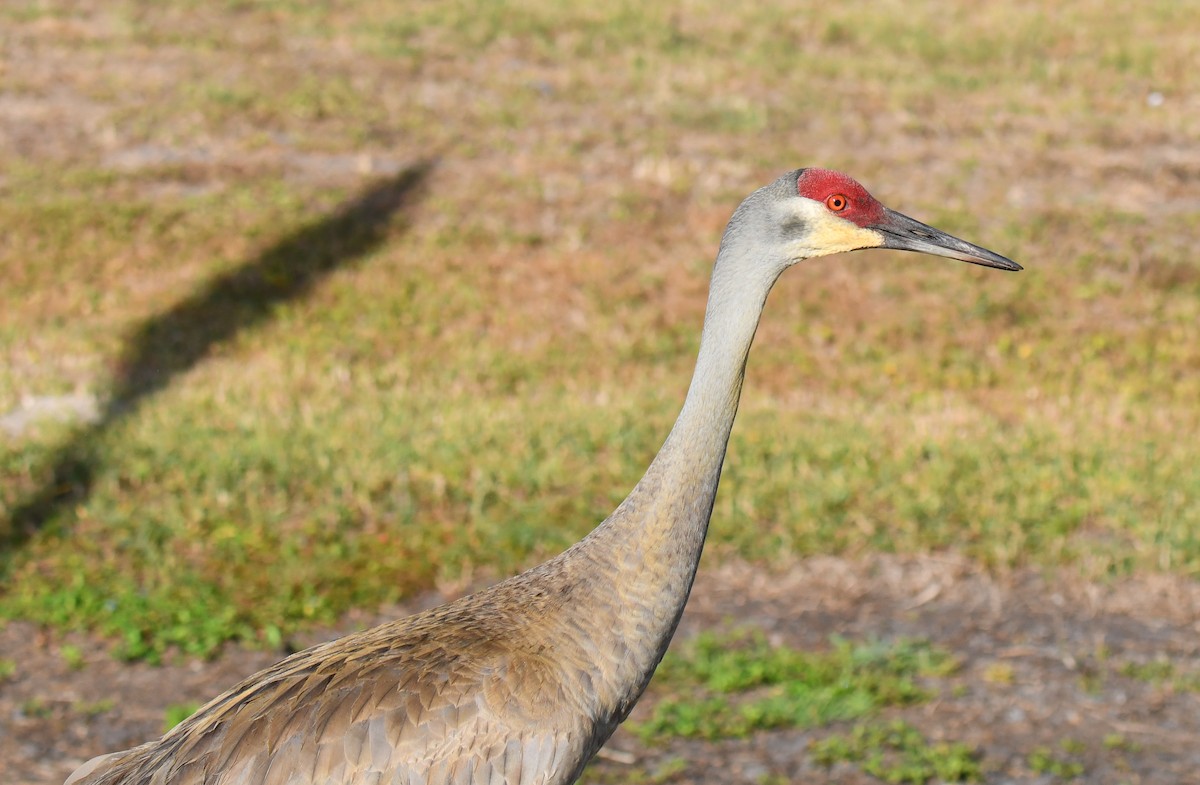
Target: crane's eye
{"type": "Point", "coordinates": [837, 203]}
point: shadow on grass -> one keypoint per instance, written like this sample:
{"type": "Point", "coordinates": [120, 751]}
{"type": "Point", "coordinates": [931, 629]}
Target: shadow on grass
{"type": "Point", "coordinates": [178, 339]}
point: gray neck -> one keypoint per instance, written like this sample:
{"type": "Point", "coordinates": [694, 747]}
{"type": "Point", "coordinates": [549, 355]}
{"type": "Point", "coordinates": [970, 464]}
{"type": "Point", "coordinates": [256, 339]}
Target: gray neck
{"type": "Point", "coordinates": [645, 555]}
{"type": "Point", "coordinates": [666, 515]}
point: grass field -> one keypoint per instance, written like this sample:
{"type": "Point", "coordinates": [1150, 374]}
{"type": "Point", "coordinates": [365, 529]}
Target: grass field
{"type": "Point", "coordinates": [376, 296]}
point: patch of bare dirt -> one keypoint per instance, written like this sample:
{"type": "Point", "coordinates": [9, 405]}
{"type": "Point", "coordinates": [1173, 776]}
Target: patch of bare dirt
{"type": "Point", "coordinates": [1045, 662]}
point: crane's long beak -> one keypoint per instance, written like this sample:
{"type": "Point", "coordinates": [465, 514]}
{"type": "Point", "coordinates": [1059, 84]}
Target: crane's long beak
{"type": "Point", "coordinates": [906, 234]}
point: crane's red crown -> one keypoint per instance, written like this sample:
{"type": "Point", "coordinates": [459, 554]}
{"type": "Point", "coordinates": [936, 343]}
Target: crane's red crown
{"type": "Point", "coordinates": [841, 195]}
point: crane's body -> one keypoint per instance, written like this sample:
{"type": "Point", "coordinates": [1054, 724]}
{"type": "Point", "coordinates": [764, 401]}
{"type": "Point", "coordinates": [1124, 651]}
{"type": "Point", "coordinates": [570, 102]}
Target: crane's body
{"type": "Point", "coordinates": [522, 682]}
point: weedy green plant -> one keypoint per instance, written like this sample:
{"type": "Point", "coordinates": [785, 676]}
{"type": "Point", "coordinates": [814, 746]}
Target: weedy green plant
{"type": "Point", "coordinates": [8, 668]}
{"type": "Point", "coordinates": [1154, 670]}
{"type": "Point", "coordinates": [1120, 743]}
{"type": "Point", "coordinates": [1161, 671]}
{"type": "Point", "coordinates": [72, 655]}
{"type": "Point", "coordinates": [35, 708]}
{"type": "Point", "coordinates": [1042, 760]}
{"type": "Point", "coordinates": [177, 713]}
{"type": "Point", "coordinates": [897, 752]}
{"type": "Point", "coordinates": [664, 773]}
{"type": "Point", "coordinates": [1072, 746]}
{"type": "Point", "coordinates": [95, 708]}
{"type": "Point", "coordinates": [723, 686]}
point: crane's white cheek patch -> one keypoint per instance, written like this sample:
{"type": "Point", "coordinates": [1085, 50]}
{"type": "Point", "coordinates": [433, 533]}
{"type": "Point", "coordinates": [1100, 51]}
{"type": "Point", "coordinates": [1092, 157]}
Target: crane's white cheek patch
{"type": "Point", "coordinates": [835, 235]}
{"type": "Point", "coordinates": [827, 234]}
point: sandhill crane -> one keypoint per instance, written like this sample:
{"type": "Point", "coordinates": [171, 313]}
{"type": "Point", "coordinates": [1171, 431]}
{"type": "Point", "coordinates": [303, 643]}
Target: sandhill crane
{"type": "Point", "coordinates": [522, 682]}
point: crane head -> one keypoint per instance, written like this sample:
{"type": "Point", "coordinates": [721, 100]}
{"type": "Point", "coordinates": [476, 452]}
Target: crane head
{"type": "Point", "coordinates": [834, 213]}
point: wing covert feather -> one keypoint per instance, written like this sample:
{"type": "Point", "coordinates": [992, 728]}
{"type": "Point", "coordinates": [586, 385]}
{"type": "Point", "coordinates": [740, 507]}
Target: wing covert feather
{"type": "Point", "coordinates": [404, 710]}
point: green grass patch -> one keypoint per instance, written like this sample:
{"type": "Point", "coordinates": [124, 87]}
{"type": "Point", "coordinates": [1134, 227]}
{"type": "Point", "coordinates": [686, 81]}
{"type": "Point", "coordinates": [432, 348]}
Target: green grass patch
{"type": "Point", "coordinates": [36, 708]}
{"type": "Point", "coordinates": [1117, 742]}
{"type": "Point", "coordinates": [94, 708]}
{"type": "Point", "coordinates": [1044, 760]}
{"type": "Point", "coordinates": [72, 656]}
{"type": "Point", "coordinates": [668, 771]}
{"type": "Point", "coordinates": [1154, 670]}
{"type": "Point", "coordinates": [177, 713]}
{"type": "Point", "coordinates": [897, 752]}
{"type": "Point", "coordinates": [1161, 672]}
{"type": "Point", "coordinates": [738, 685]}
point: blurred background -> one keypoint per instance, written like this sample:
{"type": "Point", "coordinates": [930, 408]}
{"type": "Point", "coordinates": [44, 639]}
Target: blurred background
{"type": "Point", "coordinates": [309, 307]}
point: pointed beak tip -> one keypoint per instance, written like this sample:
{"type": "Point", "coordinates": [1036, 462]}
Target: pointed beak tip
{"type": "Point", "coordinates": [1007, 265]}
{"type": "Point", "coordinates": [907, 234]}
